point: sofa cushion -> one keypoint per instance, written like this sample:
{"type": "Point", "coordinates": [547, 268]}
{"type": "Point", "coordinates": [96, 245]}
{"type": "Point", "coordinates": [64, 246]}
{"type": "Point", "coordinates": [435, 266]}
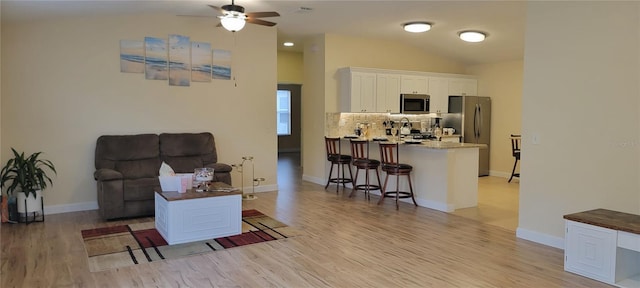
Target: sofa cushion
{"type": "Point", "coordinates": [113, 148]}
{"type": "Point", "coordinates": [140, 189]}
{"type": "Point", "coordinates": [188, 144]}
{"type": "Point", "coordinates": [134, 169]}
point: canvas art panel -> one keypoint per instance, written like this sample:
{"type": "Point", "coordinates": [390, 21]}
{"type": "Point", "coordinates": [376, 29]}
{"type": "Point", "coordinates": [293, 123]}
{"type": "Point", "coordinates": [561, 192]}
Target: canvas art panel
{"type": "Point", "coordinates": [131, 56]}
{"type": "Point", "coordinates": [156, 58]}
{"type": "Point", "coordinates": [179, 60]}
{"type": "Point", "coordinates": [221, 64]}
{"type": "Point", "coordinates": [201, 62]}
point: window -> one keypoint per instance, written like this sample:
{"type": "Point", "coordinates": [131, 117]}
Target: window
{"type": "Point", "coordinates": [284, 112]}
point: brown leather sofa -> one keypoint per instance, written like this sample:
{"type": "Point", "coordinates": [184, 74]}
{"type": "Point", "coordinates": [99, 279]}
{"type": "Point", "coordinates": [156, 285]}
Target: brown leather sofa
{"type": "Point", "coordinates": [127, 168]}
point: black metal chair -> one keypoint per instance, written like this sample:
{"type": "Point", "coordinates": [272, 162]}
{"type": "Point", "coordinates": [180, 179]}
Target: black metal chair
{"type": "Point", "coordinates": [515, 151]}
{"type": "Point", "coordinates": [391, 166]}
{"type": "Point", "coordinates": [337, 159]}
{"type": "Point", "coordinates": [361, 160]}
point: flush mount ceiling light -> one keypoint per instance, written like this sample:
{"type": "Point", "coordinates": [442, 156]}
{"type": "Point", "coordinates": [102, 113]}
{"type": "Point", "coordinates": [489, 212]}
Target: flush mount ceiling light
{"type": "Point", "coordinates": [472, 36]}
{"type": "Point", "coordinates": [417, 27]}
{"type": "Point", "coordinates": [288, 44]}
{"type": "Point", "coordinates": [233, 22]}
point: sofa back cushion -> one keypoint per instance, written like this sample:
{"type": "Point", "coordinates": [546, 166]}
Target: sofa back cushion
{"type": "Point", "coordinates": [186, 151]}
{"type": "Point", "coordinates": [135, 156]}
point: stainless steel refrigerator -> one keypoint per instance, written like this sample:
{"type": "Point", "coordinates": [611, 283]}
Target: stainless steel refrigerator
{"type": "Point", "coordinates": [471, 117]}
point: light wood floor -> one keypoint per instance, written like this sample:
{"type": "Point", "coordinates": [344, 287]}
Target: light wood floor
{"type": "Point", "coordinates": [348, 242]}
{"type": "Point", "coordinates": [497, 203]}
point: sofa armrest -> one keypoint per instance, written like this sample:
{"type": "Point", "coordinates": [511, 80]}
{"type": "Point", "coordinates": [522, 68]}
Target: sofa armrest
{"type": "Point", "coordinates": [107, 174]}
{"type": "Point", "coordinates": [219, 167]}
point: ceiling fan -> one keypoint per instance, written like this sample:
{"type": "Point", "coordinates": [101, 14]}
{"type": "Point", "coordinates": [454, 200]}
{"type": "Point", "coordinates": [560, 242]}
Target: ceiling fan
{"type": "Point", "coordinates": [233, 17]}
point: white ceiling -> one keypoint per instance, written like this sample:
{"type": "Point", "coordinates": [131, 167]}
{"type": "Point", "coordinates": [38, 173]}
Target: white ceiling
{"type": "Point", "coordinates": [502, 20]}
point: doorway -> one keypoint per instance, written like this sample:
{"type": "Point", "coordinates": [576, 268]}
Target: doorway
{"type": "Point", "coordinates": [289, 106]}
{"type": "Point", "coordinates": [289, 117]}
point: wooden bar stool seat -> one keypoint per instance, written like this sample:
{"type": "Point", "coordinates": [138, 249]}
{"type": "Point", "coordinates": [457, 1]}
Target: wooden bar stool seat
{"type": "Point", "coordinates": [339, 160]}
{"type": "Point", "coordinates": [391, 166]}
{"type": "Point", "coordinates": [361, 160]}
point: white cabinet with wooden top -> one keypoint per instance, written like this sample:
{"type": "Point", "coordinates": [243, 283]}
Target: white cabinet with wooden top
{"type": "Point", "coordinates": [603, 245]}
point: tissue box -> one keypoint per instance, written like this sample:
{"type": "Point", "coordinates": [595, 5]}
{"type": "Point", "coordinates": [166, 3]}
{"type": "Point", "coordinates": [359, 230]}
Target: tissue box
{"type": "Point", "coordinates": [179, 182]}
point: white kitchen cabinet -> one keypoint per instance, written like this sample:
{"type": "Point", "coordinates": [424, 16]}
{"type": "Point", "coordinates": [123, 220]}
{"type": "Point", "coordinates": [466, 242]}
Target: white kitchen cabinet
{"type": "Point", "coordinates": [438, 94]}
{"type": "Point", "coordinates": [463, 87]}
{"type": "Point", "coordinates": [388, 93]}
{"type": "Point", "coordinates": [413, 84]}
{"type": "Point", "coordinates": [359, 92]}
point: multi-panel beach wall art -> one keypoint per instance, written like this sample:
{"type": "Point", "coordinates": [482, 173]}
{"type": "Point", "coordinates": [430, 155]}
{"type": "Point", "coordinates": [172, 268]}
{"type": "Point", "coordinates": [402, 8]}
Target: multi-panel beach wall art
{"type": "Point", "coordinates": [175, 59]}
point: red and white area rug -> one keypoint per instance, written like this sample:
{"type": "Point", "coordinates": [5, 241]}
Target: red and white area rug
{"type": "Point", "coordinates": [132, 244]}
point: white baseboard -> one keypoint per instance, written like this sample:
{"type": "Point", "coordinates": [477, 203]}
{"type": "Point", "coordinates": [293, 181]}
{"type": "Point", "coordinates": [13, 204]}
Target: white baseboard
{"type": "Point", "coordinates": [540, 238]}
{"type": "Point", "coordinates": [73, 207]}
{"type": "Point", "coordinates": [444, 207]}
{"type": "Point", "coordinates": [262, 188]}
{"type": "Point", "coordinates": [313, 179]}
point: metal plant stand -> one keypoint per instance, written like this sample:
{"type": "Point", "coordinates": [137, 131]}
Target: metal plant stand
{"type": "Point", "coordinates": [34, 217]}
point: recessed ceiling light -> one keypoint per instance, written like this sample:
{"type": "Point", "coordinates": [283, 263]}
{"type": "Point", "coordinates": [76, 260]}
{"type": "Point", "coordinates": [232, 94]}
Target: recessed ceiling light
{"type": "Point", "coordinates": [288, 44]}
{"type": "Point", "coordinates": [472, 36]}
{"type": "Point", "coordinates": [417, 27]}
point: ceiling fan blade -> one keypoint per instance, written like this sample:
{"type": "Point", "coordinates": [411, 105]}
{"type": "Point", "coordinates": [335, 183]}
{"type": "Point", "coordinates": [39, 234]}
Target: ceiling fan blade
{"type": "Point", "coordinates": [217, 8]}
{"type": "Point", "coordinates": [260, 22]}
{"type": "Point", "coordinates": [262, 14]}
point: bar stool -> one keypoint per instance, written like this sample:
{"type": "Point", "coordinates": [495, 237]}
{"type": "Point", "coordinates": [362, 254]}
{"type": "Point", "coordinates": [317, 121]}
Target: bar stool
{"type": "Point", "coordinates": [391, 166]}
{"type": "Point", "coordinates": [515, 151]}
{"type": "Point", "coordinates": [361, 161]}
{"type": "Point", "coordinates": [334, 156]}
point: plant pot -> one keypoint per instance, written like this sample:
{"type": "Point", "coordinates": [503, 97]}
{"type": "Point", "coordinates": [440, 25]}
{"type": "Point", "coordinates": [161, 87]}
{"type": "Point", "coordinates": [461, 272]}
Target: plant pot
{"type": "Point", "coordinates": [33, 204]}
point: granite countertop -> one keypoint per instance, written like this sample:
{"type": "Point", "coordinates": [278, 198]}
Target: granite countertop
{"type": "Point", "coordinates": [430, 144]}
{"type": "Point", "coordinates": [608, 219]}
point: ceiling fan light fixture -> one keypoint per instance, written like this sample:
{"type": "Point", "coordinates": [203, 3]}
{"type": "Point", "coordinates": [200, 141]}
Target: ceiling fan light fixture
{"type": "Point", "coordinates": [233, 23]}
{"type": "Point", "coordinates": [417, 27]}
{"type": "Point", "coordinates": [472, 36]}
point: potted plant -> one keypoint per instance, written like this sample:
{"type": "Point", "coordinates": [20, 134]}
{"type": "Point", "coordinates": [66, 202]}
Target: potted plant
{"type": "Point", "coordinates": [28, 176]}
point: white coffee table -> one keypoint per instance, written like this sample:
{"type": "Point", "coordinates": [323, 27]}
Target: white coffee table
{"type": "Point", "coordinates": [194, 216]}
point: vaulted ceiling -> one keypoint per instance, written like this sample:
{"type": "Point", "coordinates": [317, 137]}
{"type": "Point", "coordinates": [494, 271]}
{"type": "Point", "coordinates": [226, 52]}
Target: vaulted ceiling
{"type": "Point", "coordinates": [503, 21]}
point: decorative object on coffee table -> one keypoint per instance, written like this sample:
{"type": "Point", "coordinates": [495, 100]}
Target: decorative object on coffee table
{"type": "Point", "coordinates": [27, 175]}
{"type": "Point", "coordinates": [202, 178]}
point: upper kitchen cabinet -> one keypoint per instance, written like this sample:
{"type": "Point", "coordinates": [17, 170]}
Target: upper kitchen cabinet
{"type": "Point", "coordinates": [388, 93]}
{"type": "Point", "coordinates": [358, 91]}
{"type": "Point", "coordinates": [438, 94]}
{"type": "Point", "coordinates": [413, 84]}
{"type": "Point", "coordinates": [463, 87]}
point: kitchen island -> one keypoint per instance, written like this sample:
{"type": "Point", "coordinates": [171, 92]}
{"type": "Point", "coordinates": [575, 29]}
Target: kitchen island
{"type": "Point", "coordinates": [445, 174]}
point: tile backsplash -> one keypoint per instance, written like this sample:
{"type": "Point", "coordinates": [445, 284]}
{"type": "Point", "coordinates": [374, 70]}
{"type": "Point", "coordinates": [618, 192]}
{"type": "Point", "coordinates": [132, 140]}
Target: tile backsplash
{"type": "Point", "coordinates": [341, 124]}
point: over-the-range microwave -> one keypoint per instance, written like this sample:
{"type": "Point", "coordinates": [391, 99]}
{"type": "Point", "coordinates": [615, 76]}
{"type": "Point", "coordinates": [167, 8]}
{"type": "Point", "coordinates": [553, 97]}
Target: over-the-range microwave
{"type": "Point", "coordinates": [414, 103]}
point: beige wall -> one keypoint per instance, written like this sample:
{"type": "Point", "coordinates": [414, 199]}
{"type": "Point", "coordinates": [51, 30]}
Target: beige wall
{"type": "Point", "coordinates": [313, 107]}
{"type": "Point", "coordinates": [290, 67]}
{"type": "Point", "coordinates": [62, 88]}
{"type": "Point", "coordinates": [503, 83]}
{"type": "Point", "coordinates": [344, 51]}
{"type": "Point", "coordinates": [581, 101]}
